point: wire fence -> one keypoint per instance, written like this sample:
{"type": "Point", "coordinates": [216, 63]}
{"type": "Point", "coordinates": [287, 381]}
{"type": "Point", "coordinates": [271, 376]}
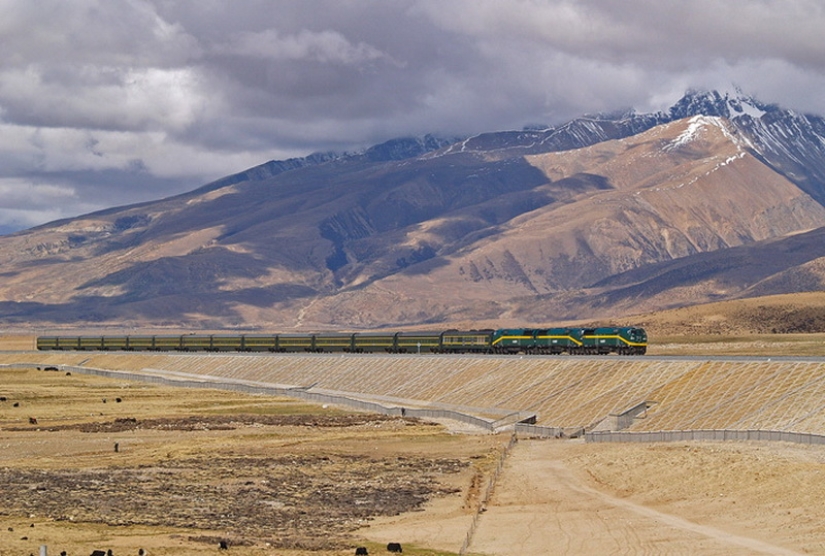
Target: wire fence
{"type": "Point", "coordinates": [349, 400]}
{"type": "Point", "coordinates": [488, 494]}
{"type": "Point", "coordinates": [530, 430]}
{"type": "Point", "coordinates": [715, 434]}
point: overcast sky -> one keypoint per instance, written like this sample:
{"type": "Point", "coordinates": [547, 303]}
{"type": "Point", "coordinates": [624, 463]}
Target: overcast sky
{"type": "Point", "coordinates": [110, 102]}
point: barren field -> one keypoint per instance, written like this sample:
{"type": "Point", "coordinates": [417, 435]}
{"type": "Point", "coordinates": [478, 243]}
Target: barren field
{"type": "Point", "coordinates": [680, 498]}
{"type": "Point", "coordinates": [123, 466]}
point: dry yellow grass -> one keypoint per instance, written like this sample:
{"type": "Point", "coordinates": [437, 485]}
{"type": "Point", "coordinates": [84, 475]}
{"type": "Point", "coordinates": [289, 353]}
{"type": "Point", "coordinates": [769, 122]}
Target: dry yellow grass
{"type": "Point", "coordinates": [17, 342]}
{"type": "Point", "coordinates": [679, 498]}
{"type": "Point", "coordinates": [123, 465]}
{"type": "Point", "coordinates": [780, 315]}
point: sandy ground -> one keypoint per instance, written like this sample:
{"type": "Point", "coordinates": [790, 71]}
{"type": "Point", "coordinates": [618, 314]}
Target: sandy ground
{"type": "Point", "coordinates": [567, 497]}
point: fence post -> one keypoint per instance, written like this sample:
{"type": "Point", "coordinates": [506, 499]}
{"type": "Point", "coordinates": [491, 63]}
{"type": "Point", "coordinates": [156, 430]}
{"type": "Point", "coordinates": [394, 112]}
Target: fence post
{"type": "Point", "coordinates": [488, 494]}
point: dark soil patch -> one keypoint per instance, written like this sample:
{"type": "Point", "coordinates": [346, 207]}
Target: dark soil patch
{"type": "Point", "coordinates": [222, 422]}
{"type": "Point", "coordinates": [306, 501]}
{"type": "Point", "coordinates": [293, 501]}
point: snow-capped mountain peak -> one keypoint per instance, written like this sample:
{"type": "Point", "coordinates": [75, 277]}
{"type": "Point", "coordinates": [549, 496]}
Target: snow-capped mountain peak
{"type": "Point", "coordinates": [745, 106]}
{"type": "Point", "coordinates": [729, 104]}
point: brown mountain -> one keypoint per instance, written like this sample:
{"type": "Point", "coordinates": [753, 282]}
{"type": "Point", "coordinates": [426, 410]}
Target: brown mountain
{"type": "Point", "coordinates": [676, 196]}
{"type": "Point", "coordinates": [488, 230]}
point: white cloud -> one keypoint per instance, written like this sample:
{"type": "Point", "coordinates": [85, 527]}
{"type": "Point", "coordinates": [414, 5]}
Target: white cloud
{"type": "Point", "coordinates": [128, 33]}
{"type": "Point", "coordinates": [25, 203]}
{"type": "Point", "coordinates": [325, 46]}
{"type": "Point", "coordinates": [658, 35]}
{"type": "Point", "coordinates": [103, 98]}
{"type": "Point", "coordinates": [131, 100]}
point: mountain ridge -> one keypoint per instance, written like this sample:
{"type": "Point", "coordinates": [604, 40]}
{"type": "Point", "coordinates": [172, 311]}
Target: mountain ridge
{"type": "Point", "coordinates": [536, 225]}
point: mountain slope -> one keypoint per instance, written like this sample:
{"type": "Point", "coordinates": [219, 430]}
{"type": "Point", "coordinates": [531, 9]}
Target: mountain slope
{"type": "Point", "coordinates": [673, 192]}
{"type": "Point", "coordinates": [539, 225]}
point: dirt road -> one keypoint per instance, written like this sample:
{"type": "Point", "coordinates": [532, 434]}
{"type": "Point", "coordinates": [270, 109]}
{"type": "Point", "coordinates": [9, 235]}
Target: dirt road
{"type": "Point", "coordinates": [541, 506]}
{"type": "Point", "coordinates": [563, 497]}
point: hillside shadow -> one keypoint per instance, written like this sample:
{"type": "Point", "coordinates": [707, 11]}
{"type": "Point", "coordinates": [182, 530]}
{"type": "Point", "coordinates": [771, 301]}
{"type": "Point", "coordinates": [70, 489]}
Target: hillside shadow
{"type": "Point", "coordinates": [756, 268]}
{"type": "Point", "coordinates": [169, 308]}
{"type": "Point", "coordinates": [166, 289]}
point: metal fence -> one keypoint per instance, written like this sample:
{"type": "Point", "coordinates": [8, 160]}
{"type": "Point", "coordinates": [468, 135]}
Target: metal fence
{"type": "Point", "coordinates": [341, 399]}
{"type": "Point", "coordinates": [488, 494]}
{"type": "Point", "coordinates": [718, 434]}
{"type": "Point", "coordinates": [548, 432]}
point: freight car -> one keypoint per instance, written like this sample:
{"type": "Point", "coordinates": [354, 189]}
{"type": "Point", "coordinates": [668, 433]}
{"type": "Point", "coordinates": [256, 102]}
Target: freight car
{"type": "Point", "coordinates": [574, 341]}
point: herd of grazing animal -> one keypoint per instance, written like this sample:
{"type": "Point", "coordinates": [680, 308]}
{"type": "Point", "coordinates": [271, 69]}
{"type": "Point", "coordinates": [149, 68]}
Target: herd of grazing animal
{"type": "Point", "coordinates": [141, 552]}
{"type": "Point", "coordinates": [33, 420]}
{"type": "Point", "coordinates": [391, 547]}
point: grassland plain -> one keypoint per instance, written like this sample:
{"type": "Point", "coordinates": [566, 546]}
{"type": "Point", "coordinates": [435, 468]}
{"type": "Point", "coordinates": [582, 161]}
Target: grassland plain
{"type": "Point", "coordinates": [117, 465]}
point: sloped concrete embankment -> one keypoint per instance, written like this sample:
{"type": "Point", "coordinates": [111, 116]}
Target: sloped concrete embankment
{"type": "Point", "coordinates": [566, 396]}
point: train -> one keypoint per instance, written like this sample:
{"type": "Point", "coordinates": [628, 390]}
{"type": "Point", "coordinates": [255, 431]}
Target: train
{"type": "Point", "coordinates": [530, 341]}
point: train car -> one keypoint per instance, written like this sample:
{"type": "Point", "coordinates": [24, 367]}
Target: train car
{"type": "Point", "coordinates": [140, 343]}
{"type": "Point", "coordinates": [226, 342]}
{"type": "Point", "coordinates": [115, 343]}
{"type": "Point", "coordinates": [605, 340]}
{"type": "Point", "coordinates": [333, 341]}
{"type": "Point", "coordinates": [512, 340]}
{"type": "Point", "coordinates": [556, 341]}
{"type": "Point", "coordinates": [47, 343]}
{"type": "Point", "coordinates": [466, 341]}
{"type": "Point", "coordinates": [195, 342]}
{"type": "Point", "coordinates": [296, 343]}
{"type": "Point", "coordinates": [90, 343]}
{"type": "Point", "coordinates": [417, 342]}
{"type": "Point", "coordinates": [166, 342]}
{"type": "Point", "coordinates": [374, 342]}
{"type": "Point", "coordinates": [635, 339]}
{"type": "Point", "coordinates": [259, 342]}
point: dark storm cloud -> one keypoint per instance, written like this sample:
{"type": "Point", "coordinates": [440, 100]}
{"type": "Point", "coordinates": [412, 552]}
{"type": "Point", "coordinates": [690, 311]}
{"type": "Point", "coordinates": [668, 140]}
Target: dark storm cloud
{"type": "Point", "coordinates": [111, 102]}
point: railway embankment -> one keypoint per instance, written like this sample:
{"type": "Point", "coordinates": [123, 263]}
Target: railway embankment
{"type": "Point", "coordinates": [568, 394]}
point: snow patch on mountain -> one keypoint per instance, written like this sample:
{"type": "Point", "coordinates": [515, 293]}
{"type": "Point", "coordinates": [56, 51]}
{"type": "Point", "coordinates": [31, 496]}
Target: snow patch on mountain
{"type": "Point", "coordinates": [745, 107]}
{"type": "Point", "coordinates": [730, 159]}
{"type": "Point", "coordinates": [696, 125]}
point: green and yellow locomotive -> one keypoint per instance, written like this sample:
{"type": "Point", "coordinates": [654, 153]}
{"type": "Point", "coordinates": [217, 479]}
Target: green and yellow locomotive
{"type": "Point", "coordinates": [549, 341]}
